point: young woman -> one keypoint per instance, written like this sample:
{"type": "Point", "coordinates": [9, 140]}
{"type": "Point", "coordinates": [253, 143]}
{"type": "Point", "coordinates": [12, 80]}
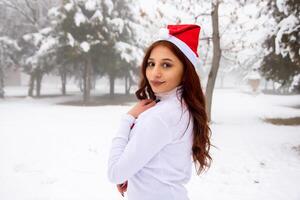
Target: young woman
{"type": "Point", "coordinates": [167, 131]}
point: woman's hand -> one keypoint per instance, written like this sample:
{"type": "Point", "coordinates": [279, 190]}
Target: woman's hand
{"type": "Point", "coordinates": [122, 187]}
{"type": "Point", "coordinates": [141, 106]}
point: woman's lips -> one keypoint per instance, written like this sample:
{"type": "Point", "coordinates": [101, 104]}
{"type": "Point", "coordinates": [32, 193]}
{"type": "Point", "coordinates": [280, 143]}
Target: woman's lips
{"type": "Point", "coordinates": [157, 83]}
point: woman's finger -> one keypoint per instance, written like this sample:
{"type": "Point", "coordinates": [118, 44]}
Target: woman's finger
{"type": "Point", "coordinates": [122, 190]}
{"type": "Point", "coordinates": [122, 187]}
{"type": "Point", "coordinates": [150, 104]}
{"type": "Point", "coordinates": [146, 101]}
{"type": "Point", "coordinates": [119, 188]}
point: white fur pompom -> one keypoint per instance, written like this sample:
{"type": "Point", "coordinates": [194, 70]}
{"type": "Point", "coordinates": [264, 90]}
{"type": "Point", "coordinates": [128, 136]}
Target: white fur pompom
{"type": "Point", "coordinates": [164, 33]}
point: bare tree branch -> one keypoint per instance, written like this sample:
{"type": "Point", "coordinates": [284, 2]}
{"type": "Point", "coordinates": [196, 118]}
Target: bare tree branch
{"type": "Point", "coordinates": [20, 10]}
{"type": "Point", "coordinates": [202, 14]}
{"type": "Point", "coordinates": [32, 10]}
{"type": "Point", "coordinates": [206, 38]}
{"type": "Point", "coordinates": [229, 59]}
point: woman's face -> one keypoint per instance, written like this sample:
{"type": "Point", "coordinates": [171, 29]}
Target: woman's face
{"type": "Point", "coordinates": [164, 70]}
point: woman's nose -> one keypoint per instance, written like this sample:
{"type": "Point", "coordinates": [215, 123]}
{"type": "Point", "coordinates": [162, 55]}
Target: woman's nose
{"type": "Point", "coordinates": [156, 71]}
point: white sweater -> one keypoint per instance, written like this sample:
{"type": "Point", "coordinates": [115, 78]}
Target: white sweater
{"type": "Point", "coordinates": [155, 156]}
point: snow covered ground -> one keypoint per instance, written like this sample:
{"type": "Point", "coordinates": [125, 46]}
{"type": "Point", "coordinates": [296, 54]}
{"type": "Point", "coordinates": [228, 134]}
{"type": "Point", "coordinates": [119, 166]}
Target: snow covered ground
{"type": "Point", "coordinates": [56, 152]}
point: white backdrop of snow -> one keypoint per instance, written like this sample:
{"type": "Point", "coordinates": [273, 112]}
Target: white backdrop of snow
{"type": "Point", "coordinates": [62, 153]}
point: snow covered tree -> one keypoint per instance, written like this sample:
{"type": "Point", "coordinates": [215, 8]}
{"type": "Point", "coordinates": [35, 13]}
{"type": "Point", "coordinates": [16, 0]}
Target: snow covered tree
{"type": "Point", "coordinates": [283, 43]}
{"type": "Point", "coordinates": [8, 58]}
{"type": "Point", "coordinates": [279, 69]}
{"type": "Point", "coordinates": [287, 39]}
{"type": "Point", "coordinates": [78, 24]}
{"type": "Point", "coordinates": [29, 18]}
{"type": "Point", "coordinates": [99, 34]}
{"type": "Point", "coordinates": [38, 56]}
{"type": "Point", "coordinates": [125, 51]}
{"type": "Point", "coordinates": [295, 86]}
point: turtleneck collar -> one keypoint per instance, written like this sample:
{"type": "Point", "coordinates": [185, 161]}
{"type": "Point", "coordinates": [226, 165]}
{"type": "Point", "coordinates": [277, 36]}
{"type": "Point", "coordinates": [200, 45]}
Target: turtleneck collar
{"type": "Point", "coordinates": [172, 93]}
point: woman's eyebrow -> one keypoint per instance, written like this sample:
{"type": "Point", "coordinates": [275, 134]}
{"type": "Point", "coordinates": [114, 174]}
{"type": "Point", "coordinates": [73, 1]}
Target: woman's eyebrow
{"type": "Point", "coordinates": [167, 59]}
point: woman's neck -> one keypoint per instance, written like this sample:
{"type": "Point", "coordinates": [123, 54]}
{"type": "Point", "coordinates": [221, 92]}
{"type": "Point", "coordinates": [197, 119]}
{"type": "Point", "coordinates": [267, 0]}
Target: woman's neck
{"type": "Point", "coordinates": [172, 93]}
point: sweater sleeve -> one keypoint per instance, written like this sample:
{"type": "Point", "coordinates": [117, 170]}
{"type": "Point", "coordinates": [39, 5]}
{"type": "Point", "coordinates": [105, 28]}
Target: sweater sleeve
{"type": "Point", "coordinates": [124, 129]}
{"type": "Point", "coordinates": [127, 157]}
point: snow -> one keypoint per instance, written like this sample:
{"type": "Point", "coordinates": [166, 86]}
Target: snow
{"type": "Point", "coordinates": [62, 152]}
{"type": "Point", "coordinates": [125, 51]}
{"type": "Point", "coordinates": [117, 24]}
{"type": "Point", "coordinates": [32, 60]}
{"type": "Point", "coordinates": [46, 31]}
{"type": "Point", "coordinates": [70, 39]}
{"type": "Point", "coordinates": [295, 82]}
{"type": "Point", "coordinates": [85, 46]}
{"type": "Point", "coordinates": [54, 12]}
{"type": "Point", "coordinates": [286, 26]}
{"type": "Point", "coordinates": [281, 5]}
{"type": "Point", "coordinates": [128, 52]}
{"type": "Point", "coordinates": [98, 15]}
{"type": "Point", "coordinates": [253, 75]}
{"type": "Point", "coordinates": [90, 5]}
{"type": "Point", "coordinates": [47, 44]}
{"type": "Point", "coordinates": [27, 37]}
{"type": "Point", "coordinates": [277, 85]}
{"type": "Point", "coordinates": [79, 18]}
{"type": "Point", "coordinates": [7, 41]}
{"type": "Point", "coordinates": [69, 6]}
{"type": "Point", "coordinates": [109, 5]}
{"type": "Point", "coordinates": [37, 37]}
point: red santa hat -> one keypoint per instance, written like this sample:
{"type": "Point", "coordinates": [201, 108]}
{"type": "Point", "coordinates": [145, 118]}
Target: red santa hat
{"type": "Point", "coordinates": [185, 37]}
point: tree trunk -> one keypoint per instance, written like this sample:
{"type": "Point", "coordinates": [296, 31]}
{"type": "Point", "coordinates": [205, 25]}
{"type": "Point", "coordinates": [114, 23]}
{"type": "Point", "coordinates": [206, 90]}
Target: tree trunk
{"type": "Point", "coordinates": [63, 78]}
{"type": "Point", "coordinates": [39, 77]}
{"type": "Point", "coordinates": [111, 85]}
{"type": "Point", "coordinates": [127, 84]}
{"type": "Point", "coordinates": [216, 58]}
{"type": "Point", "coordinates": [1, 82]}
{"type": "Point", "coordinates": [31, 84]}
{"type": "Point", "coordinates": [84, 80]}
{"type": "Point", "coordinates": [266, 84]}
{"type": "Point", "coordinates": [126, 80]}
{"type": "Point", "coordinates": [93, 80]}
{"type": "Point", "coordinates": [87, 80]}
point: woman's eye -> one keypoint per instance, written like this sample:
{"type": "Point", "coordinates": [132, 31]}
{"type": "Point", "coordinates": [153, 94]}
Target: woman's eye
{"type": "Point", "coordinates": [166, 65]}
{"type": "Point", "coordinates": [150, 64]}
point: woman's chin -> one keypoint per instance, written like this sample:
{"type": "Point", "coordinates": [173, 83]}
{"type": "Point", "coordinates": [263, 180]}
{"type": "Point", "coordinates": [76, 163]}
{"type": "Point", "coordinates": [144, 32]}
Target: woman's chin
{"type": "Point", "coordinates": [158, 90]}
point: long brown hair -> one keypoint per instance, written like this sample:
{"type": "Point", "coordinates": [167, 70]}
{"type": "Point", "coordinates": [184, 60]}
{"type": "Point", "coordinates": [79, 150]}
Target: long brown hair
{"type": "Point", "coordinates": [194, 98]}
